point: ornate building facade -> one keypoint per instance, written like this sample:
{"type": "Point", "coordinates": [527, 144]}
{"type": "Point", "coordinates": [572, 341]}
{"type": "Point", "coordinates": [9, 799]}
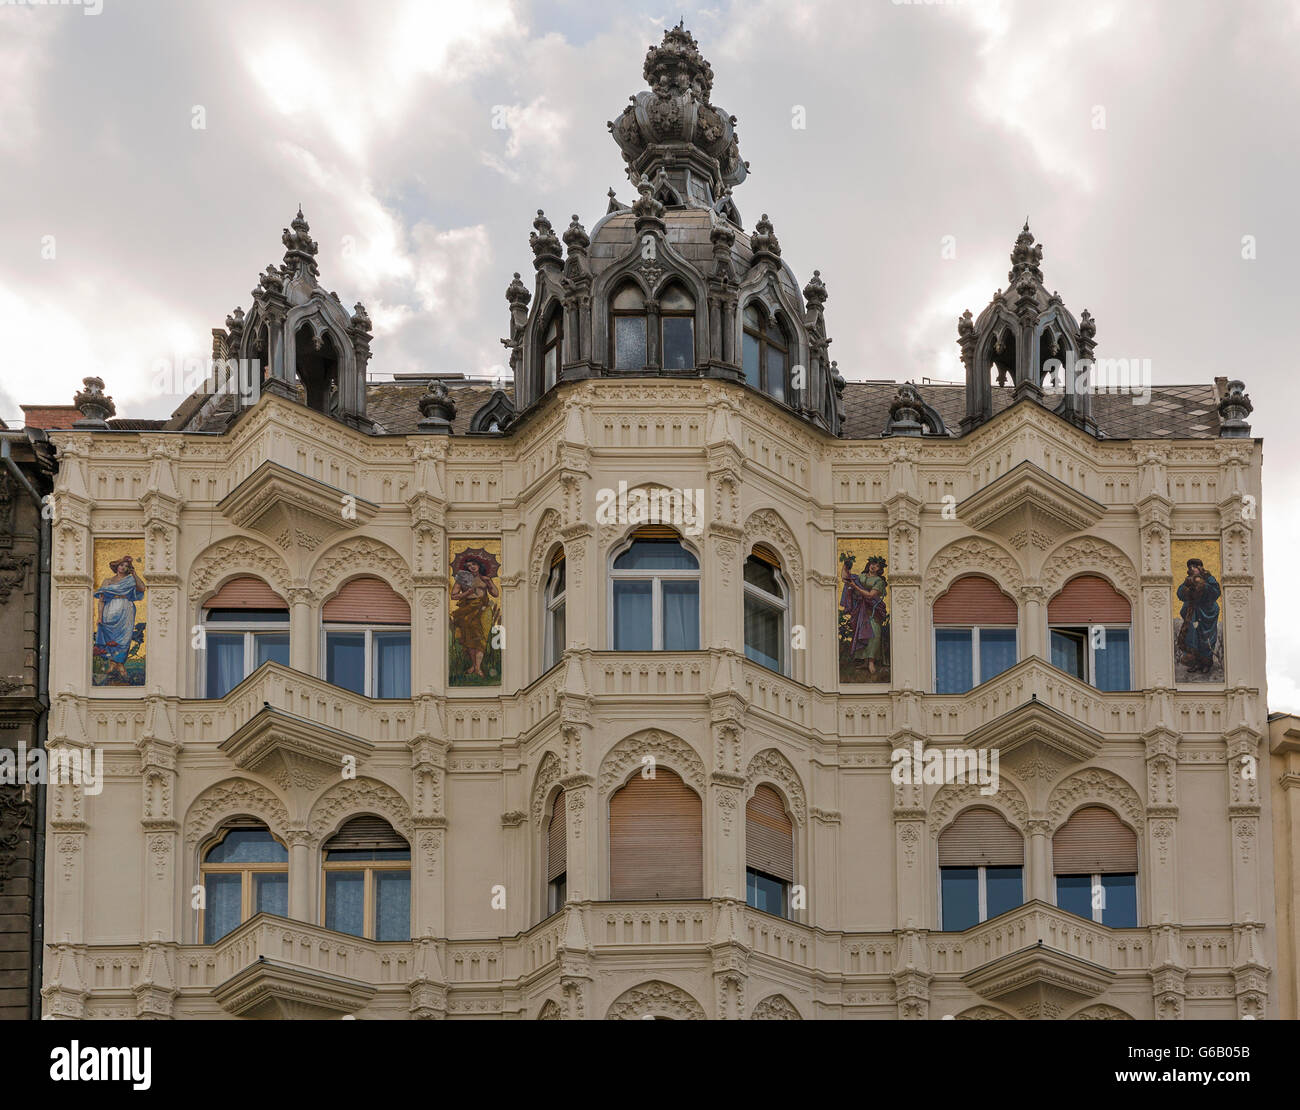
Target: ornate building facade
{"type": "Point", "coordinates": [600, 696]}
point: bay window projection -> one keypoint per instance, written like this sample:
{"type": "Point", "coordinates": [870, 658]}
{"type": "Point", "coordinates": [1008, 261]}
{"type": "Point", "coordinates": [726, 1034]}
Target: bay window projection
{"type": "Point", "coordinates": [655, 593]}
{"type": "Point", "coordinates": [245, 871]}
{"type": "Point", "coordinates": [656, 839]}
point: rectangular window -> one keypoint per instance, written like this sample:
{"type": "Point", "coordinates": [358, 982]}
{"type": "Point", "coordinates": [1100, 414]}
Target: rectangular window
{"type": "Point", "coordinates": [629, 343]}
{"type": "Point", "coordinates": [231, 654]}
{"type": "Point", "coordinates": [345, 902]}
{"type": "Point", "coordinates": [679, 342]}
{"type": "Point", "coordinates": [345, 660]}
{"type": "Point", "coordinates": [965, 657]}
{"type": "Point", "coordinates": [372, 662]}
{"type": "Point", "coordinates": [776, 373]}
{"type": "Point", "coordinates": [764, 633]}
{"type": "Point", "coordinates": [960, 893]}
{"type": "Point", "coordinates": [223, 905]}
{"type": "Point", "coordinates": [762, 892]}
{"type": "Point", "coordinates": [1070, 650]}
{"type": "Point", "coordinates": [750, 357]}
{"type": "Point", "coordinates": [1097, 655]}
{"type": "Point", "coordinates": [1003, 889]}
{"type": "Point", "coordinates": [1074, 894]}
{"type": "Point", "coordinates": [633, 616]}
{"type": "Point", "coordinates": [681, 602]}
{"type": "Point", "coordinates": [392, 905]}
{"type": "Point", "coordinates": [271, 893]}
{"type": "Point", "coordinates": [392, 664]}
{"type": "Point", "coordinates": [997, 651]}
{"type": "Point", "coordinates": [557, 893]}
{"type": "Point", "coordinates": [1108, 899]}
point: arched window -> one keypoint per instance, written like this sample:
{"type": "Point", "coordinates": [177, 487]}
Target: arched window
{"type": "Point", "coordinates": [767, 610]}
{"type": "Point", "coordinates": [554, 642]}
{"type": "Point", "coordinates": [769, 852]}
{"type": "Point", "coordinates": [1095, 860]}
{"type": "Point", "coordinates": [765, 352]}
{"type": "Point", "coordinates": [552, 350]}
{"type": "Point", "coordinates": [317, 368]}
{"type": "Point", "coordinates": [627, 330]}
{"type": "Point", "coordinates": [367, 633]}
{"type": "Point", "coordinates": [656, 839]}
{"type": "Point", "coordinates": [981, 869]}
{"type": "Point", "coordinates": [367, 887]}
{"type": "Point", "coordinates": [655, 594]}
{"type": "Point", "coordinates": [974, 634]}
{"type": "Point", "coordinates": [245, 624]}
{"type": "Point", "coordinates": [1089, 627]}
{"type": "Point", "coordinates": [557, 855]}
{"type": "Point", "coordinates": [677, 324]}
{"type": "Point", "coordinates": [245, 871]}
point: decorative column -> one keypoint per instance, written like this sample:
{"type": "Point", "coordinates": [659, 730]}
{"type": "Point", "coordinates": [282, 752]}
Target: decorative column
{"type": "Point", "coordinates": [724, 845]}
{"type": "Point", "coordinates": [911, 973]}
{"type": "Point", "coordinates": [1161, 847]}
{"type": "Point", "coordinates": [1152, 622]}
{"type": "Point", "coordinates": [163, 870]}
{"type": "Point", "coordinates": [907, 625]}
{"type": "Point", "coordinates": [582, 826]}
{"type": "Point", "coordinates": [1040, 860]}
{"type": "Point", "coordinates": [302, 629]}
{"type": "Point", "coordinates": [301, 873]}
{"type": "Point", "coordinates": [730, 961]}
{"type": "Point", "coordinates": [428, 749]}
{"type": "Point", "coordinates": [1168, 972]}
{"type": "Point", "coordinates": [910, 863]}
{"type": "Point", "coordinates": [1033, 623]}
{"type": "Point", "coordinates": [168, 633]}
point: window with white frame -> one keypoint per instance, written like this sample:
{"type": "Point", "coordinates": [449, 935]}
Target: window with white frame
{"type": "Point", "coordinates": [981, 869]}
{"type": "Point", "coordinates": [975, 636]}
{"type": "Point", "coordinates": [1095, 863]}
{"type": "Point", "coordinates": [767, 610]}
{"type": "Point", "coordinates": [366, 633]}
{"type": "Point", "coordinates": [654, 594]}
{"type": "Point", "coordinates": [245, 625]}
{"type": "Point", "coordinates": [1089, 629]}
{"type": "Point", "coordinates": [553, 640]}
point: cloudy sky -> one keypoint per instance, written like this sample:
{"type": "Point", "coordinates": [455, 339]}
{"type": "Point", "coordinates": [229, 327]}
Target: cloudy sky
{"type": "Point", "coordinates": [152, 152]}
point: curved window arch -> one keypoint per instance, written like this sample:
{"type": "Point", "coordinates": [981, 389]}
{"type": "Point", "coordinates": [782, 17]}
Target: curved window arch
{"type": "Point", "coordinates": [554, 640]}
{"type": "Point", "coordinates": [654, 599]}
{"type": "Point", "coordinates": [656, 839]}
{"type": "Point", "coordinates": [367, 881]}
{"type": "Point", "coordinates": [245, 871]}
{"type": "Point", "coordinates": [366, 628]}
{"type": "Point", "coordinates": [765, 352]}
{"type": "Point", "coordinates": [1095, 863]}
{"type": "Point", "coordinates": [677, 328]}
{"type": "Point", "coordinates": [975, 637]}
{"type": "Point", "coordinates": [981, 869]}
{"type": "Point", "coordinates": [767, 610]}
{"type": "Point", "coordinates": [552, 349]}
{"type": "Point", "coordinates": [1089, 631]}
{"type": "Point", "coordinates": [769, 852]}
{"type": "Point", "coordinates": [245, 624]}
{"type": "Point", "coordinates": [628, 346]}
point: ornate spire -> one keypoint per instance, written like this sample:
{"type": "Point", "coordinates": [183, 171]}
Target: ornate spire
{"type": "Point", "coordinates": [1233, 410]}
{"type": "Point", "coordinates": [648, 209]}
{"type": "Point", "coordinates": [764, 240]}
{"type": "Point", "coordinates": [1025, 257]}
{"type": "Point", "coordinates": [576, 237]}
{"type": "Point", "coordinates": [95, 407]}
{"type": "Point", "coordinates": [300, 247]}
{"type": "Point", "coordinates": [546, 247]}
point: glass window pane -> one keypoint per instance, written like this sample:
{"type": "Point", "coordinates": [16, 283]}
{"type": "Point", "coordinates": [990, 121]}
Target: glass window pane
{"type": "Point", "coordinates": [629, 343]}
{"type": "Point", "coordinates": [633, 619]}
{"type": "Point", "coordinates": [271, 893]}
{"type": "Point", "coordinates": [1110, 660]}
{"type": "Point", "coordinates": [656, 555]}
{"type": "Point", "coordinates": [392, 905]}
{"type": "Point", "coordinates": [247, 616]}
{"type": "Point", "coordinates": [221, 911]}
{"type": "Point", "coordinates": [961, 898]}
{"type": "Point", "coordinates": [753, 316]}
{"type": "Point", "coordinates": [558, 639]}
{"type": "Point", "coordinates": [629, 296]}
{"type": "Point", "coordinates": [345, 901]}
{"type": "Point", "coordinates": [392, 652]}
{"type": "Point", "coordinates": [1120, 909]}
{"type": "Point", "coordinates": [776, 373]}
{"type": "Point", "coordinates": [749, 357]}
{"type": "Point", "coordinates": [679, 342]}
{"type": "Point", "coordinates": [765, 893]}
{"type": "Point", "coordinates": [1068, 647]}
{"type": "Point", "coordinates": [681, 601]}
{"type": "Point", "coordinates": [224, 662]}
{"type": "Point", "coordinates": [675, 299]}
{"type": "Point", "coordinates": [1003, 889]}
{"type": "Point", "coordinates": [953, 660]}
{"type": "Point", "coordinates": [272, 646]}
{"type": "Point", "coordinates": [248, 846]}
{"type": "Point", "coordinates": [345, 660]}
{"type": "Point", "coordinates": [1074, 894]}
{"type": "Point", "coordinates": [548, 365]}
{"type": "Point", "coordinates": [763, 575]}
{"type": "Point", "coordinates": [997, 651]}
{"type": "Point", "coordinates": [764, 632]}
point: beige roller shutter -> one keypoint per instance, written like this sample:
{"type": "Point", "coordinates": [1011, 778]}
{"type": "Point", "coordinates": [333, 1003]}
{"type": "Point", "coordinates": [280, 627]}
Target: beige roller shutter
{"type": "Point", "coordinates": [246, 593]}
{"type": "Point", "coordinates": [769, 836]}
{"type": "Point", "coordinates": [367, 601]}
{"type": "Point", "coordinates": [1088, 599]}
{"type": "Point", "coordinates": [557, 847]}
{"type": "Point", "coordinates": [975, 600]}
{"type": "Point", "coordinates": [1094, 841]}
{"type": "Point", "coordinates": [981, 837]}
{"type": "Point", "coordinates": [656, 840]}
{"type": "Point", "coordinates": [367, 833]}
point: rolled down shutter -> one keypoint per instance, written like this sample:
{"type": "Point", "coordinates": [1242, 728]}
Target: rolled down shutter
{"type": "Point", "coordinates": [557, 848]}
{"type": "Point", "coordinates": [769, 836]}
{"type": "Point", "coordinates": [367, 834]}
{"type": "Point", "coordinates": [1088, 599]}
{"type": "Point", "coordinates": [974, 600]}
{"type": "Point", "coordinates": [656, 840]}
{"type": "Point", "coordinates": [1094, 841]}
{"type": "Point", "coordinates": [981, 837]}
{"type": "Point", "coordinates": [367, 601]}
{"type": "Point", "coordinates": [245, 593]}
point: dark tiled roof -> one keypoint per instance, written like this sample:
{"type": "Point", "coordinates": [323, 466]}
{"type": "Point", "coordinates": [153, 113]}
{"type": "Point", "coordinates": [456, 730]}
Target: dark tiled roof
{"type": "Point", "coordinates": [395, 405]}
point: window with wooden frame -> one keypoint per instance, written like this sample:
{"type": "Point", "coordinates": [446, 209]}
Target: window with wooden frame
{"type": "Point", "coordinates": [981, 869]}
{"type": "Point", "coordinates": [1095, 861]}
{"type": "Point", "coordinates": [366, 639]}
{"type": "Point", "coordinates": [628, 346]}
{"type": "Point", "coordinates": [367, 887]}
{"type": "Point", "coordinates": [677, 329]}
{"type": "Point", "coordinates": [765, 352]}
{"type": "Point", "coordinates": [767, 610]}
{"type": "Point", "coordinates": [553, 614]}
{"type": "Point", "coordinates": [769, 852]}
{"type": "Point", "coordinates": [656, 839]}
{"type": "Point", "coordinates": [245, 871]}
{"type": "Point", "coordinates": [654, 593]}
{"type": "Point", "coordinates": [975, 637]}
{"type": "Point", "coordinates": [245, 624]}
{"type": "Point", "coordinates": [557, 855]}
{"type": "Point", "coordinates": [1089, 626]}
{"type": "Point", "coordinates": [552, 349]}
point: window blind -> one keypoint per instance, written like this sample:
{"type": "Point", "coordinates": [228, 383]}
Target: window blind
{"type": "Point", "coordinates": [974, 600]}
{"type": "Point", "coordinates": [981, 837]}
{"type": "Point", "coordinates": [656, 840]}
{"type": "Point", "coordinates": [769, 835]}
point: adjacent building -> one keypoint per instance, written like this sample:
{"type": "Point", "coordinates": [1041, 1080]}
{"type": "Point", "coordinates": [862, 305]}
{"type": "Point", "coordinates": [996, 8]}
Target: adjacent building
{"type": "Point", "coordinates": [683, 677]}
